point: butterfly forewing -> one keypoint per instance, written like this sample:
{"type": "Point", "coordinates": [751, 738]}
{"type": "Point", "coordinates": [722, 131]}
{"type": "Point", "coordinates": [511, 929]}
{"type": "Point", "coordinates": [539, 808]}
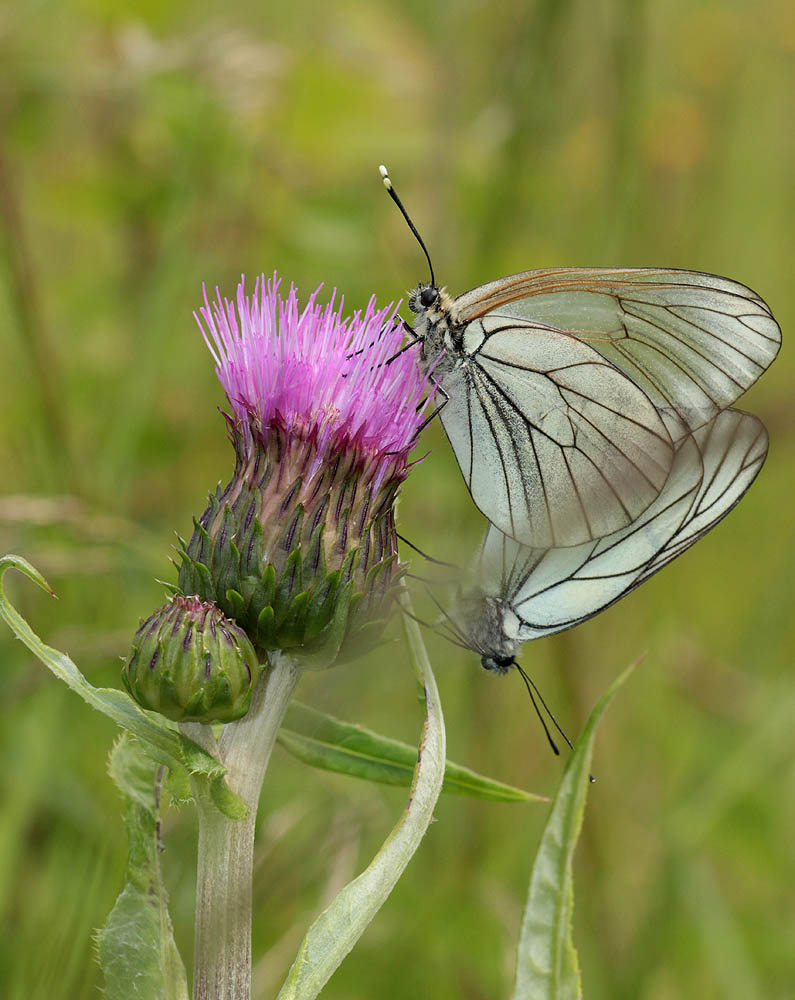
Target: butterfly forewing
{"type": "Point", "coordinates": [694, 342]}
{"type": "Point", "coordinates": [556, 445]}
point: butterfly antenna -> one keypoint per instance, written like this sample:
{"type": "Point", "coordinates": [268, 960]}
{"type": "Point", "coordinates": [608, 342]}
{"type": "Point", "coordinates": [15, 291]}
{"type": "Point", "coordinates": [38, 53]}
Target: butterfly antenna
{"type": "Point", "coordinates": [394, 196]}
{"type": "Point", "coordinates": [531, 687]}
{"type": "Point", "coordinates": [528, 684]}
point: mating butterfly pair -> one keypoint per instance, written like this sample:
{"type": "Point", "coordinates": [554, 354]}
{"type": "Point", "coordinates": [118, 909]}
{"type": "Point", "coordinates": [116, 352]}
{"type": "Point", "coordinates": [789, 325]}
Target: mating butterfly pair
{"type": "Point", "coordinates": [588, 409]}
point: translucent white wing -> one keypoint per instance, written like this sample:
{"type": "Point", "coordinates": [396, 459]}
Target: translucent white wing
{"type": "Point", "coordinates": [692, 341]}
{"type": "Point", "coordinates": [556, 445]}
{"type": "Point", "coordinates": [734, 448]}
{"type": "Point", "coordinates": [550, 590]}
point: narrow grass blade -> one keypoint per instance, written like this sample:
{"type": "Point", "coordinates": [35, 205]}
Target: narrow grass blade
{"type": "Point", "coordinates": [546, 967]}
{"type": "Point", "coordinates": [339, 927]}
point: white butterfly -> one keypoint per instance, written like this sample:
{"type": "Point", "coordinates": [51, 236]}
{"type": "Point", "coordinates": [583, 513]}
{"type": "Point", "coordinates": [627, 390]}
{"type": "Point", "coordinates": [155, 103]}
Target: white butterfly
{"type": "Point", "coordinates": [565, 392]}
{"type": "Point", "coordinates": [520, 593]}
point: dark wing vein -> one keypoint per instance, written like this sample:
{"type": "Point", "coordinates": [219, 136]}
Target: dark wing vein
{"type": "Point", "coordinates": [687, 345]}
{"type": "Point", "coordinates": [488, 389]}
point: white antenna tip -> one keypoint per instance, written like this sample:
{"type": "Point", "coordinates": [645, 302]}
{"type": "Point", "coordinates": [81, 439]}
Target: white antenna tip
{"type": "Point", "coordinates": [385, 176]}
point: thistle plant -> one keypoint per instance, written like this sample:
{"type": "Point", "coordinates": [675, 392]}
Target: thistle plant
{"type": "Point", "coordinates": [299, 549]}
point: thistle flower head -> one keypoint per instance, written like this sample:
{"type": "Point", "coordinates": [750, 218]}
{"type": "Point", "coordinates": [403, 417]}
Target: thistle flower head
{"type": "Point", "coordinates": [314, 374]}
{"type": "Point", "coordinates": [300, 547]}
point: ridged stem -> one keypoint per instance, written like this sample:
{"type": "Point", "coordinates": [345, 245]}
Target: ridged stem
{"type": "Point", "coordinates": [222, 960]}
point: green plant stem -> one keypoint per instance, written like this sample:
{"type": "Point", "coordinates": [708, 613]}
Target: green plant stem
{"type": "Point", "coordinates": [222, 960]}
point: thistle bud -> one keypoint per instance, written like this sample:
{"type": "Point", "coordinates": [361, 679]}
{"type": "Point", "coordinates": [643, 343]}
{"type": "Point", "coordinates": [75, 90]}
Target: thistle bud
{"type": "Point", "coordinates": [191, 664]}
{"type": "Point", "coordinates": [300, 547]}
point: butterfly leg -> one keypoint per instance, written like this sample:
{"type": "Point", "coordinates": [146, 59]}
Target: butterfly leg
{"type": "Point", "coordinates": [429, 418]}
{"type": "Point", "coordinates": [414, 340]}
{"type": "Point", "coordinates": [437, 410]}
{"type": "Point", "coordinates": [437, 562]}
{"type": "Point", "coordinates": [406, 329]}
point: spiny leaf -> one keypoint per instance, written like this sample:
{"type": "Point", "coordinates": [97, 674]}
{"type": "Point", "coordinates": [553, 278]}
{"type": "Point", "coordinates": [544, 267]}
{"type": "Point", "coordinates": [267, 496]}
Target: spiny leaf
{"type": "Point", "coordinates": [288, 585]}
{"type": "Point", "coordinates": [136, 947]}
{"type": "Point", "coordinates": [323, 650]}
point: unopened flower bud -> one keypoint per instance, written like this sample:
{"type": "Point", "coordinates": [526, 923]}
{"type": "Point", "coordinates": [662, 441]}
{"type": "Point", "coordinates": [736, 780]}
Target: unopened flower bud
{"type": "Point", "coordinates": [192, 664]}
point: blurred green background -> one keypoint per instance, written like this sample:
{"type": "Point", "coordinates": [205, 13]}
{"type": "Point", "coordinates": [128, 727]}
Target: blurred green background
{"type": "Point", "coordinates": [146, 148]}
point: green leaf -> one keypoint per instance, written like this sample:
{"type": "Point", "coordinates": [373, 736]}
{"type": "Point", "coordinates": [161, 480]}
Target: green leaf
{"type": "Point", "coordinates": [203, 582]}
{"type": "Point", "coordinates": [264, 589]}
{"type": "Point", "coordinates": [332, 745]}
{"type": "Point", "coordinates": [159, 736]}
{"type": "Point", "coordinates": [226, 801]}
{"type": "Point", "coordinates": [340, 926]}
{"type": "Point", "coordinates": [136, 946]}
{"type": "Point", "coordinates": [236, 604]}
{"type": "Point", "coordinates": [546, 967]}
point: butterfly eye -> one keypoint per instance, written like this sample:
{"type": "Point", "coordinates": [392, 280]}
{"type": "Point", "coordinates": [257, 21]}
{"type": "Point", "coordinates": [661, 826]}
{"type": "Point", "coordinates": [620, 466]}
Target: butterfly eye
{"type": "Point", "coordinates": [428, 296]}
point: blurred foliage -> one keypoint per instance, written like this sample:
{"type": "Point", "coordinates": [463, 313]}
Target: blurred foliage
{"type": "Point", "coordinates": [147, 148]}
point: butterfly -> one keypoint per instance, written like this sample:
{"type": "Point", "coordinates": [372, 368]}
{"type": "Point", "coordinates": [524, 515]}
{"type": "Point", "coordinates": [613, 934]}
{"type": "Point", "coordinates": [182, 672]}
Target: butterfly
{"type": "Point", "coordinates": [566, 392]}
{"type": "Point", "coordinates": [517, 593]}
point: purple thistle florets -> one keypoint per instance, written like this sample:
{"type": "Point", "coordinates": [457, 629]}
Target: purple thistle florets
{"type": "Point", "coordinates": [300, 547]}
{"type": "Point", "coordinates": [313, 373]}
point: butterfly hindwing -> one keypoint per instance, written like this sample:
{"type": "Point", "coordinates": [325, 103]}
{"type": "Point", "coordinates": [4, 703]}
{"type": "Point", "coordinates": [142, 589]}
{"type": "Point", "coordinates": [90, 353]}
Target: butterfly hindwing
{"type": "Point", "coordinates": [549, 590]}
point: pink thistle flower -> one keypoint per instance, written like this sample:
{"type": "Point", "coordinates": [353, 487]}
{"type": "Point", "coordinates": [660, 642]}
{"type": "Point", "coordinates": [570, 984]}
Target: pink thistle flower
{"type": "Point", "coordinates": [300, 547]}
{"type": "Point", "coordinates": [313, 374]}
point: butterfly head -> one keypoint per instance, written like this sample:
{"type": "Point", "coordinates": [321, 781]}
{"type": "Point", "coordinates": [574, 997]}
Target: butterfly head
{"type": "Point", "coordinates": [499, 663]}
{"type": "Point", "coordinates": [423, 298]}
{"type": "Point", "coordinates": [489, 634]}
{"type": "Point", "coordinates": [433, 325]}
{"type": "Point", "coordinates": [430, 300]}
